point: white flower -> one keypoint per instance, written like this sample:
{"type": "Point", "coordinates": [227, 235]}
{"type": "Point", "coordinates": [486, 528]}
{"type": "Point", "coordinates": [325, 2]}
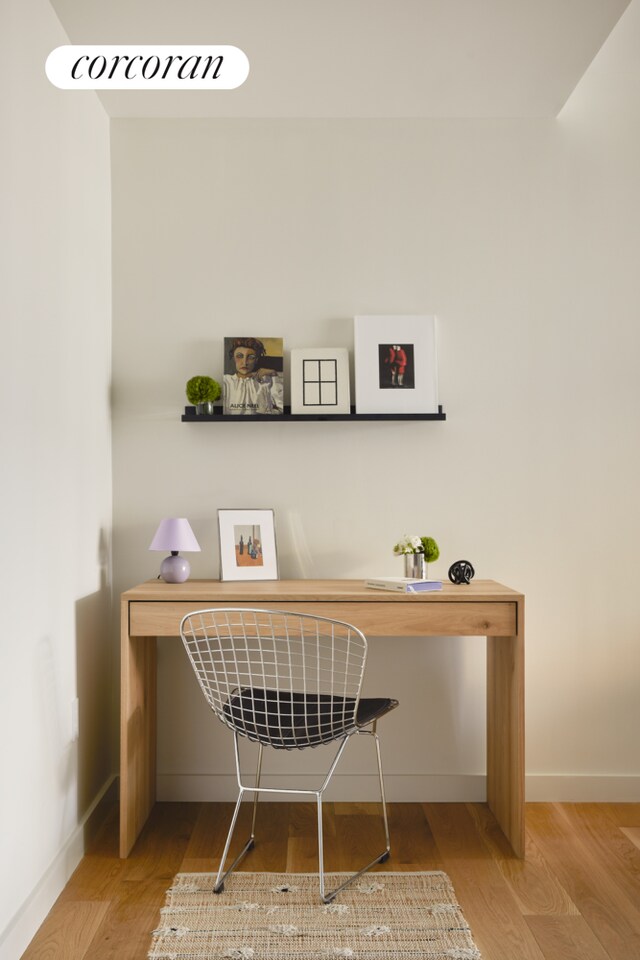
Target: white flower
{"type": "Point", "coordinates": [240, 953]}
{"type": "Point", "coordinates": [287, 929]}
{"type": "Point", "coordinates": [408, 545]}
{"type": "Point", "coordinates": [340, 952]}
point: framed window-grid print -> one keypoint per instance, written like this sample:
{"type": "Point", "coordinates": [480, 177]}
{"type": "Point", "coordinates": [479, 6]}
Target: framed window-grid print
{"type": "Point", "coordinates": [320, 380]}
{"type": "Point", "coordinates": [396, 364]}
{"type": "Point", "coordinates": [247, 545]}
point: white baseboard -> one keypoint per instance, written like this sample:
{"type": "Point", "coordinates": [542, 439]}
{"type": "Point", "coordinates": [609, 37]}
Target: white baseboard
{"type": "Point", "coordinates": [24, 924]}
{"type": "Point", "coordinates": [554, 789]}
{"type": "Point", "coordinates": [408, 788]}
{"type": "Point", "coordinates": [344, 787]}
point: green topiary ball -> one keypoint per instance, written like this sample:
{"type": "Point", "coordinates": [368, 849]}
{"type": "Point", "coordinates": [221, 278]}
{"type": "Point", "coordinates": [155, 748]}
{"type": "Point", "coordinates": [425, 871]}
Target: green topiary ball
{"type": "Point", "coordinates": [202, 390]}
{"type": "Point", "coordinates": [430, 548]}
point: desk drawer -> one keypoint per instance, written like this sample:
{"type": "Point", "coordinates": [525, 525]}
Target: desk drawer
{"type": "Point", "coordinates": [379, 619]}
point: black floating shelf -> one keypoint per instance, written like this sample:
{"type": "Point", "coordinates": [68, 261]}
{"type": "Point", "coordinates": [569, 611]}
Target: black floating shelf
{"type": "Point", "coordinates": [190, 416]}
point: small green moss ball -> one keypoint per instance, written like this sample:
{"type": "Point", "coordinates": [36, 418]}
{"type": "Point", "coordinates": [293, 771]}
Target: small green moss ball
{"type": "Point", "coordinates": [431, 549]}
{"type": "Point", "coordinates": [202, 390]}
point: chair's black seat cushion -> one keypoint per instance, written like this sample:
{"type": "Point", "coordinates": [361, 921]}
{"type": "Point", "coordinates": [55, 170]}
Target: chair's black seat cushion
{"type": "Point", "coordinates": [289, 720]}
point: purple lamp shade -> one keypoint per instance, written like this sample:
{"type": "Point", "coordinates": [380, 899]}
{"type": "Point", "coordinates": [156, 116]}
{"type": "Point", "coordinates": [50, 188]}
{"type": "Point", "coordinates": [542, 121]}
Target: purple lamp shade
{"type": "Point", "coordinates": [175, 534]}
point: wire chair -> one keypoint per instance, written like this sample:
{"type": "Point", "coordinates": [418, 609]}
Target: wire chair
{"type": "Point", "coordinates": [287, 681]}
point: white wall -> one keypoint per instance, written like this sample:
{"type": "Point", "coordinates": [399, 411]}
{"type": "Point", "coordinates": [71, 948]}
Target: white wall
{"type": "Point", "coordinates": [523, 238]}
{"type": "Point", "coordinates": [55, 304]}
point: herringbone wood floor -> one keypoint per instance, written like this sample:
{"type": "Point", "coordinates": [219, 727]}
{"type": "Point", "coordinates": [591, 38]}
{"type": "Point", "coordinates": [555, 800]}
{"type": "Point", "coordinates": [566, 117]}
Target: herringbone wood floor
{"type": "Point", "coordinates": [576, 897]}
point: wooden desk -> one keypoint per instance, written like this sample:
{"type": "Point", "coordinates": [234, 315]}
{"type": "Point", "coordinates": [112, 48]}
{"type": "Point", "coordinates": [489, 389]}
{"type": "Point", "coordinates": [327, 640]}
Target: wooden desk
{"type": "Point", "coordinates": [483, 608]}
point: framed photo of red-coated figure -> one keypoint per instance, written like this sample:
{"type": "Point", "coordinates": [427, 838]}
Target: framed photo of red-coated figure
{"type": "Point", "coordinates": [396, 364]}
{"type": "Point", "coordinates": [247, 545]}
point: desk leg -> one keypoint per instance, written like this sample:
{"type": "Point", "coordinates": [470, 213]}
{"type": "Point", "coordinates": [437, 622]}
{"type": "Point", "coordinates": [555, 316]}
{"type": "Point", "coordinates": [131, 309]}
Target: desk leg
{"type": "Point", "coordinates": [505, 735]}
{"type": "Point", "coordinates": [137, 733]}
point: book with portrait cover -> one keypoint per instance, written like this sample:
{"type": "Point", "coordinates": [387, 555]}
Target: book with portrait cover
{"type": "Point", "coordinates": [252, 381]}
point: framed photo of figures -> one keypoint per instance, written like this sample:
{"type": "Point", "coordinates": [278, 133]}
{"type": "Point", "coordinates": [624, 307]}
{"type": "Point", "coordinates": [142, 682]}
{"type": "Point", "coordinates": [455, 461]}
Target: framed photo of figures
{"type": "Point", "coordinates": [320, 380]}
{"type": "Point", "coordinates": [247, 545]}
{"type": "Point", "coordinates": [396, 364]}
{"type": "Point", "coordinates": [253, 376]}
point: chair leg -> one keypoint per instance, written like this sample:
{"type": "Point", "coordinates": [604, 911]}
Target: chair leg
{"type": "Point", "coordinates": [324, 896]}
{"type": "Point", "coordinates": [256, 794]}
{"type": "Point", "coordinates": [382, 857]}
{"type": "Point", "coordinates": [219, 884]}
{"type": "Point", "coordinates": [383, 800]}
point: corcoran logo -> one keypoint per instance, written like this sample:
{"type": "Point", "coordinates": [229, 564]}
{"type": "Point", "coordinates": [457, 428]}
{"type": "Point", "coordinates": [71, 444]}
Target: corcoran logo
{"type": "Point", "coordinates": [113, 67]}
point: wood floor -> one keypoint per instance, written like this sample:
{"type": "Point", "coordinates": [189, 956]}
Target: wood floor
{"type": "Point", "coordinates": [576, 897]}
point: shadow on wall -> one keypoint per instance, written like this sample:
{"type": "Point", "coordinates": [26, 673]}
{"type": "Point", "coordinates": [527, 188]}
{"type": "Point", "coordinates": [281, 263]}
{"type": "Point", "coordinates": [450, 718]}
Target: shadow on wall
{"type": "Point", "coordinates": [93, 678]}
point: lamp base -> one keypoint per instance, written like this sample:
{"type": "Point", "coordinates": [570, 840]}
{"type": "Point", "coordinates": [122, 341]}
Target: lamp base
{"type": "Point", "coordinates": [175, 569]}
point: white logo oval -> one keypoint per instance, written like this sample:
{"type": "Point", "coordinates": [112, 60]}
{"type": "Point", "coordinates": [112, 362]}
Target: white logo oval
{"type": "Point", "coordinates": [146, 67]}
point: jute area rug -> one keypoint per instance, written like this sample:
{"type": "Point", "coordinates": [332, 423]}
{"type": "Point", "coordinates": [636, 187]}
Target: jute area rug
{"type": "Point", "coordinates": [271, 916]}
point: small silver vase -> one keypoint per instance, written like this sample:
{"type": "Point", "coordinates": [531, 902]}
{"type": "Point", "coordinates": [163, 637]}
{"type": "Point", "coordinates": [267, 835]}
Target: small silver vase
{"type": "Point", "coordinates": [414, 566]}
{"type": "Point", "coordinates": [205, 409]}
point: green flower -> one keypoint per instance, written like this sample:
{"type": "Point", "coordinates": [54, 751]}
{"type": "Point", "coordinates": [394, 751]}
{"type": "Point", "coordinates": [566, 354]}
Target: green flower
{"type": "Point", "coordinates": [202, 390]}
{"type": "Point", "coordinates": [430, 549]}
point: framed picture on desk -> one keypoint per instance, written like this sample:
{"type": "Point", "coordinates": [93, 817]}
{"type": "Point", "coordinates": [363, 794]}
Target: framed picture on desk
{"type": "Point", "coordinates": [247, 545]}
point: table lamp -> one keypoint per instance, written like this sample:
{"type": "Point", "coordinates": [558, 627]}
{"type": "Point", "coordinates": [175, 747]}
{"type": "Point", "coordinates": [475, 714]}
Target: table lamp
{"type": "Point", "coordinates": [175, 534]}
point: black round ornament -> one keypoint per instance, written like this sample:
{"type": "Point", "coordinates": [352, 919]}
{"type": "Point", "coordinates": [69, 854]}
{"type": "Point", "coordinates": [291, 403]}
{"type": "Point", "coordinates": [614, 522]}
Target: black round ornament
{"type": "Point", "coordinates": [461, 572]}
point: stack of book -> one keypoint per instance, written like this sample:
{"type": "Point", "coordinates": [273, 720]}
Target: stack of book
{"type": "Point", "coordinates": [403, 584]}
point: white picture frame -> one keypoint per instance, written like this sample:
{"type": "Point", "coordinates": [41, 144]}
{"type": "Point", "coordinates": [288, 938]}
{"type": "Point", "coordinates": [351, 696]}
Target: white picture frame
{"type": "Point", "coordinates": [320, 380]}
{"type": "Point", "coordinates": [247, 545]}
{"type": "Point", "coordinates": [392, 380]}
